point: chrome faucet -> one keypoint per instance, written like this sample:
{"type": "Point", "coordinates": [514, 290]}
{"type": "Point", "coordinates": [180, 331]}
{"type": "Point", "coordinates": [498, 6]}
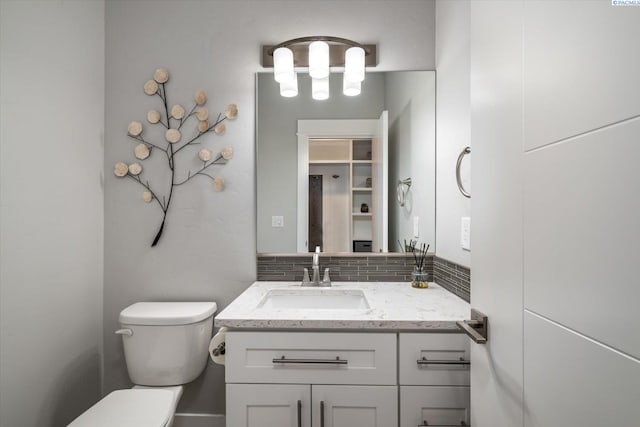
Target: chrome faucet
{"type": "Point", "coordinates": [315, 271]}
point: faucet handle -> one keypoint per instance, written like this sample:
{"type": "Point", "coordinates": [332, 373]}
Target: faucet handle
{"type": "Point", "coordinates": [305, 276]}
{"type": "Point", "coordinates": [326, 281]}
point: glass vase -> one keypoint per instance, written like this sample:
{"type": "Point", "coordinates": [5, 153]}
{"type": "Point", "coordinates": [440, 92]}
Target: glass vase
{"type": "Point", "coordinates": [419, 278]}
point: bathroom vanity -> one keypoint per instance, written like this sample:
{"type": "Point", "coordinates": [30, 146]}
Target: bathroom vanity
{"type": "Point", "coordinates": [356, 354]}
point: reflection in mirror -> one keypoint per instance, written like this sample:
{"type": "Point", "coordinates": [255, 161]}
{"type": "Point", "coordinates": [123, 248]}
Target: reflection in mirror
{"type": "Point", "coordinates": [328, 171]}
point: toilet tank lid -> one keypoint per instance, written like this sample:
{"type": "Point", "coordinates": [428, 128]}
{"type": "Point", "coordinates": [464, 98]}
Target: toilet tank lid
{"type": "Point", "coordinates": [167, 313]}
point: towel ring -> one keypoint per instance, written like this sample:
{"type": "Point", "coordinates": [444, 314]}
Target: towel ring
{"type": "Point", "coordinates": [466, 150]}
{"type": "Point", "coordinates": [401, 192]}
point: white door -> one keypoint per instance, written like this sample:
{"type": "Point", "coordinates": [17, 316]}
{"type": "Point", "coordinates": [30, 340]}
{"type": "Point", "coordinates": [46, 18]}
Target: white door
{"type": "Point", "coordinates": [355, 406]}
{"type": "Point", "coordinates": [380, 187]}
{"type": "Point", "coordinates": [555, 149]}
{"type": "Point", "coordinates": [268, 405]}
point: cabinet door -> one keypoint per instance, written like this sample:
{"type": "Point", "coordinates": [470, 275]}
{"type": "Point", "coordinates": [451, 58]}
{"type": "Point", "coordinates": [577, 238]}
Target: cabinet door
{"type": "Point", "coordinates": [266, 405]}
{"type": "Point", "coordinates": [434, 406]}
{"type": "Point", "coordinates": [355, 406]}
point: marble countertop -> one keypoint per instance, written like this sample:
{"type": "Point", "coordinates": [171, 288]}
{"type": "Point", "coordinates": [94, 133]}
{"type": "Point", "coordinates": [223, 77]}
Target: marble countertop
{"type": "Point", "coordinates": [392, 306]}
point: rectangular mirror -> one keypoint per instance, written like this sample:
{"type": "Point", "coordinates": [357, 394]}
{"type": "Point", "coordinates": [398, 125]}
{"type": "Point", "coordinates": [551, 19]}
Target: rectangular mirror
{"type": "Point", "coordinates": [348, 174]}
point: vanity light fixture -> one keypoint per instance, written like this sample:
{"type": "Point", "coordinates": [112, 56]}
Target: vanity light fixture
{"type": "Point", "coordinates": [318, 54]}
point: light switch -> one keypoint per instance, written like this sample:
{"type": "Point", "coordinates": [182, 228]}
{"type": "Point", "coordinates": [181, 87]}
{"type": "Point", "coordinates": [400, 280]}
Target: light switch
{"type": "Point", "coordinates": [465, 233]}
{"type": "Point", "coordinates": [416, 227]}
{"type": "Point", "coordinates": [277, 221]}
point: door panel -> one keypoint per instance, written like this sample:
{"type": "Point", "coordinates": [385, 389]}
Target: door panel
{"type": "Point", "coordinates": [577, 79]}
{"type": "Point", "coordinates": [566, 208]}
{"type": "Point", "coordinates": [262, 405]}
{"type": "Point", "coordinates": [315, 212]}
{"type": "Point", "coordinates": [355, 406]}
{"type": "Point", "coordinates": [496, 209]}
{"type": "Point", "coordinates": [581, 231]}
{"type": "Point", "coordinates": [380, 190]}
{"type": "Point", "coordinates": [573, 381]}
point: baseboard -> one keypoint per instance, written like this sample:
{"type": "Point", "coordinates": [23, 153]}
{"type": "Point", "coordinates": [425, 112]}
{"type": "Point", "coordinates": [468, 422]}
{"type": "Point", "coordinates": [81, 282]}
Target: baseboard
{"type": "Point", "coordinates": [199, 420]}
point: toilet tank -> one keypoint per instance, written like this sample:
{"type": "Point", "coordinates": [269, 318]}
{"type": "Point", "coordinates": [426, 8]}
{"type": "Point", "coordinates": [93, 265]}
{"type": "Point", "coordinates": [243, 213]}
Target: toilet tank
{"type": "Point", "coordinates": [166, 343]}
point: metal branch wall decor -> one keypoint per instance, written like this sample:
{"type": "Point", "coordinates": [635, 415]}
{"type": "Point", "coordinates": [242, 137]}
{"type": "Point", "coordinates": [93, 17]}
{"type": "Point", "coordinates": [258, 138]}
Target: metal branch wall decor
{"type": "Point", "coordinates": [173, 120]}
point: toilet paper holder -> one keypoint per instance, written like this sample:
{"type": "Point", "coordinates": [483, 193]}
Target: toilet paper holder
{"type": "Point", "coordinates": [220, 350]}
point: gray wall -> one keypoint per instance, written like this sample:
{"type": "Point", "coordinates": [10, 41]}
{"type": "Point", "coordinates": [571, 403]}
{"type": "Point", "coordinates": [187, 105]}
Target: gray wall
{"type": "Point", "coordinates": [453, 118]}
{"type": "Point", "coordinates": [51, 210]}
{"type": "Point", "coordinates": [208, 249]}
{"type": "Point", "coordinates": [410, 99]}
{"type": "Point", "coordinates": [277, 148]}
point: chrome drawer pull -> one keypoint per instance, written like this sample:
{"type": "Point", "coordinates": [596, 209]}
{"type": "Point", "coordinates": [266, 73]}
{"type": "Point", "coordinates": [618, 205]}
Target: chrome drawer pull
{"type": "Point", "coordinates": [425, 361]}
{"type": "Point", "coordinates": [336, 361]}
{"type": "Point", "coordinates": [426, 424]}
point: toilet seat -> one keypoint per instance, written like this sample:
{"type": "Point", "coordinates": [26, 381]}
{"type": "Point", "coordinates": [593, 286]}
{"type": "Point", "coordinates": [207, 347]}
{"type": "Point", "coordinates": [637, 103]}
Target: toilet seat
{"type": "Point", "coordinates": [130, 408]}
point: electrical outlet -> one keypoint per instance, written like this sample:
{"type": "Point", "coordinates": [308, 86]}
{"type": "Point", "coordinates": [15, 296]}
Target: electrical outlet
{"type": "Point", "coordinates": [465, 233]}
{"type": "Point", "coordinates": [277, 221]}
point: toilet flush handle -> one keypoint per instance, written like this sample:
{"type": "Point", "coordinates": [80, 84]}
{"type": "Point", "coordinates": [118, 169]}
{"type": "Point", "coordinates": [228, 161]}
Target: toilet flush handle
{"type": "Point", "coordinates": [126, 331]}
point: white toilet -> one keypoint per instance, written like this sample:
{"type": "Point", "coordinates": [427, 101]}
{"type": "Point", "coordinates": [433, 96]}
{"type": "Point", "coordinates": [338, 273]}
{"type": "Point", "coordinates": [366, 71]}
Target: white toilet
{"type": "Point", "coordinates": [165, 345]}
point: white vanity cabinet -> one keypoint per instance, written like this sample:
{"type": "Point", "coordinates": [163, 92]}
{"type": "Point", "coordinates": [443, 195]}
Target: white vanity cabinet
{"type": "Point", "coordinates": [317, 379]}
{"type": "Point", "coordinates": [346, 379]}
{"type": "Point", "coordinates": [434, 379]}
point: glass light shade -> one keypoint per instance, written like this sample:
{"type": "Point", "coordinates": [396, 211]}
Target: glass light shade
{"type": "Point", "coordinates": [283, 65]}
{"type": "Point", "coordinates": [350, 88]}
{"type": "Point", "coordinates": [320, 89]}
{"type": "Point", "coordinates": [354, 64]}
{"type": "Point", "coordinates": [319, 60]}
{"type": "Point", "coordinates": [289, 89]}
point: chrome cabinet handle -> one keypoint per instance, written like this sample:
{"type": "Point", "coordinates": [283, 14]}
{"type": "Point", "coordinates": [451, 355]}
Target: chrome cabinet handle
{"type": "Point", "coordinates": [322, 413]}
{"type": "Point", "coordinates": [425, 361]}
{"type": "Point", "coordinates": [477, 328]}
{"type": "Point", "coordinates": [465, 151]}
{"type": "Point", "coordinates": [336, 361]}
{"type": "Point", "coordinates": [299, 413]}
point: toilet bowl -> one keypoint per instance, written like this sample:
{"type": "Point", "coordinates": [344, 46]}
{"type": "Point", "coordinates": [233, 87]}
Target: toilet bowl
{"type": "Point", "coordinates": [165, 346]}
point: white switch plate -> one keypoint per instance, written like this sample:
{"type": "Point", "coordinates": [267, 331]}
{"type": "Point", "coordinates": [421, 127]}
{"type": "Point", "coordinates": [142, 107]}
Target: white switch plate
{"type": "Point", "coordinates": [465, 233]}
{"type": "Point", "coordinates": [277, 221]}
{"type": "Point", "coordinates": [416, 227]}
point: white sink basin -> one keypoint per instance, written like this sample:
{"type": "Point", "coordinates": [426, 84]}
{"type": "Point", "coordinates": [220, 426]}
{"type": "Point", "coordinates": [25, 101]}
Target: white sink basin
{"type": "Point", "coordinates": [314, 299]}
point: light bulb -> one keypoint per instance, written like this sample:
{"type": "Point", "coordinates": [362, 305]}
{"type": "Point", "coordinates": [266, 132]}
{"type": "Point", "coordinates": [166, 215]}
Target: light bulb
{"type": "Point", "coordinates": [289, 89]}
{"type": "Point", "coordinates": [354, 64]}
{"type": "Point", "coordinates": [350, 88]}
{"type": "Point", "coordinates": [283, 65]}
{"type": "Point", "coordinates": [320, 89]}
{"type": "Point", "coordinates": [319, 60]}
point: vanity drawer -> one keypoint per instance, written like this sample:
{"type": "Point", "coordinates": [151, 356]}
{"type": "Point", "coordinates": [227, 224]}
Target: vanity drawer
{"type": "Point", "coordinates": [311, 358]}
{"type": "Point", "coordinates": [434, 406]}
{"type": "Point", "coordinates": [434, 359]}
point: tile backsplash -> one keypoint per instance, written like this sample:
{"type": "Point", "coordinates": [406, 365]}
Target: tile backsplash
{"type": "Point", "coordinates": [379, 268]}
{"type": "Point", "coordinates": [453, 277]}
{"type": "Point", "coordinates": [347, 268]}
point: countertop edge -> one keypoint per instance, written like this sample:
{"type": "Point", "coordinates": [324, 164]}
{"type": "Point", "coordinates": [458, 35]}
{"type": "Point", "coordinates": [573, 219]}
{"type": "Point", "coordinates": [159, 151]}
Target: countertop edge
{"type": "Point", "coordinates": [364, 325]}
